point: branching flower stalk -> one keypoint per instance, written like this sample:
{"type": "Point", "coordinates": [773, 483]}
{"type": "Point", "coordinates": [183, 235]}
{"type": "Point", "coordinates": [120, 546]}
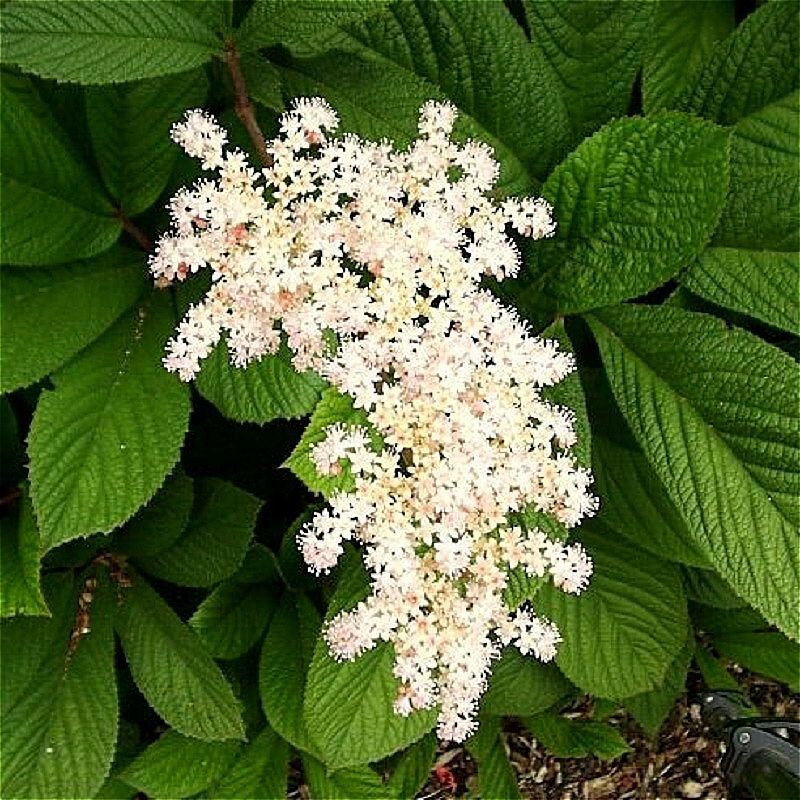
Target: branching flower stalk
{"type": "Point", "coordinates": [367, 261]}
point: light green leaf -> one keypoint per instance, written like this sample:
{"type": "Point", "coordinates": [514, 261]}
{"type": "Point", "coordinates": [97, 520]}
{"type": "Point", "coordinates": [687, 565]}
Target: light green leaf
{"type": "Point", "coordinates": [161, 522]}
{"type": "Point", "coordinates": [577, 738]}
{"type": "Point", "coordinates": [130, 125]}
{"type": "Point", "coordinates": [650, 709]}
{"type": "Point", "coordinates": [496, 777]}
{"type": "Point", "coordinates": [332, 408]}
{"type": "Point", "coordinates": [177, 766]}
{"type": "Point", "coordinates": [766, 652]}
{"type": "Point", "coordinates": [593, 52]}
{"type": "Point", "coordinates": [757, 64]}
{"type": "Point", "coordinates": [20, 592]}
{"type": "Point", "coordinates": [713, 410]}
{"type": "Point", "coordinates": [215, 541]}
{"type": "Point", "coordinates": [99, 41]}
{"type": "Point", "coordinates": [520, 686]}
{"type": "Point", "coordinates": [259, 773]}
{"type": "Point", "coordinates": [352, 783]}
{"type": "Point", "coordinates": [412, 767]}
{"type": "Point", "coordinates": [265, 390]}
{"type": "Point", "coordinates": [762, 208]}
{"type": "Point", "coordinates": [634, 204]}
{"type": "Point", "coordinates": [59, 696]}
{"type": "Point", "coordinates": [621, 634]}
{"type": "Point", "coordinates": [53, 209]}
{"type": "Point", "coordinates": [233, 617]}
{"type": "Point", "coordinates": [102, 443]}
{"type": "Point", "coordinates": [306, 27]}
{"type": "Point", "coordinates": [285, 658]}
{"type": "Point", "coordinates": [682, 37]}
{"type": "Point", "coordinates": [349, 706]}
{"type": "Point", "coordinates": [172, 669]}
{"type": "Point", "coordinates": [78, 301]}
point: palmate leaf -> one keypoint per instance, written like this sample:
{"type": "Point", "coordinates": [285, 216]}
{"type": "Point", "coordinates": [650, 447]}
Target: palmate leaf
{"type": "Point", "coordinates": [52, 208]}
{"type": "Point", "coordinates": [78, 301]}
{"type": "Point", "coordinates": [172, 668]}
{"type": "Point", "coordinates": [349, 706]}
{"type": "Point", "coordinates": [682, 37]}
{"type": "Point", "coordinates": [130, 124]}
{"type": "Point", "coordinates": [102, 443]}
{"type": "Point", "coordinates": [593, 52]}
{"type": "Point", "coordinates": [714, 412]}
{"type": "Point", "coordinates": [633, 204]}
{"type": "Point", "coordinates": [98, 41]}
{"type": "Point", "coordinates": [621, 634]}
{"type": "Point", "coordinates": [59, 700]}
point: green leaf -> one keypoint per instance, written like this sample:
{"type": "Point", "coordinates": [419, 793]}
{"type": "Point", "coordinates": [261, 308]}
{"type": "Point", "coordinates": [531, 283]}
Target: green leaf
{"type": "Point", "coordinates": [161, 522]}
{"type": "Point", "coordinates": [713, 410]}
{"type": "Point", "coordinates": [714, 673]}
{"type": "Point", "coordinates": [577, 738]}
{"type": "Point", "coordinates": [353, 783]}
{"type": "Point", "coordinates": [621, 634]}
{"type": "Point", "coordinates": [102, 443]}
{"type": "Point", "coordinates": [766, 652]}
{"type": "Point", "coordinates": [650, 709]}
{"type": "Point", "coordinates": [333, 407]}
{"type": "Point", "coordinates": [53, 209]}
{"type": "Point", "coordinates": [496, 776]}
{"type": "Point", "coordinates": [757, 64]}
{"type": "Point", "coordinates": [521, 686]}
{"type": "Point", "coordinates": [751, 282]}
{"type": "Point", "coordinates": [215, 541]}
{"type": "Point", "coordinates": [762, 208]}
{"type": "Point", "coordinates": [259, 772]}
{"type": "Point", "coordinates": [59, 696]}
{"type": "Point", "coordinates": [265, 390]}
{"type": "Point", "coordinates": [233, 617]}
{"type": "Point", "coordinates": [177, 766]}
{"type": "Point", "coordinates": [12, 465]}
{"type": "Point", "coordinates": [705, 586]}
{"type": "Point", "coordinates": [412, 768]}
{"type": "Point", "coordinates": [130, 125]}
{"type": "Point", "coordinates": [593, 52]}
{"type": "Point", "coordinates": [682, 37]}
{"type": "Point", "coordinates": [349, 706]}
{"type": "Point", "coordinates": [633, 204]}
{"type": "Point", "coordinates": [78, 302]}
{"type": "Point", "coordinates": [263, 81]}
{"type": "Point", "coordinates": [99, 41]}
{"type": "Point", "coordinates": [306, 27]}
{"type": "Point", "coordinates": [716, 621]}
{"type": "Point", "coordinates": [20, 592]}
{"type": "Point", "coordinates": [172, 668]}
{"type": "Point", "coordinates": [285, 658]}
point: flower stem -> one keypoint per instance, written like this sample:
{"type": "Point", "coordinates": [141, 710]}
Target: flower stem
{"type": "Point", "coordinates": [134, 231]}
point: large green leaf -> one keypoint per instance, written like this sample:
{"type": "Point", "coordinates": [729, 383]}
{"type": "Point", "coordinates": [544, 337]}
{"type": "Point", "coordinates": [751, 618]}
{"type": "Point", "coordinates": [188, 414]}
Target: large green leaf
{"type": "Point", "coordinates": [285, 658]}
{"type": "Point", "coordinates": [102, 443]}
{"type": "Point", "coordinates": [753, 282]}
{"type": "Point", "coordinates": [757, 64]}
{"type": "Point", "coordinates": [714, 411]}
{"type": "Point", "coordinates": [593, 51]}
{"type": "Point", "coordinates": [762, 208]}
{"type": "Point", "coordinates": [634, 204]}
{"type": "Point", "coordinates": [349, 705]}
{"type": "Point", "coordinates": [130, 124]}
{"type": "Point", "coordinates": [351, 783]}
{"type": "Point", "coordinates": [263, 391]}
{"type": "Point", "coordinates": [77, 301]}
{"type": "Point", "coordinates": [576, 738]}
{"type": "Point", "coordinates": [496, 776]}
{"type": "Point", "coordinates": [682, 37]}
{"type": "Point", "coordinates": [215, 541]}
{"type": "Point", "coordinates": [411, 768]}
{"type": "Point", "coordinates": [20, 592]}
{"type": "Point", "coordinates": [705, 586]}
{"type": "Point", "coordinates": [177, 766]}
{"type": "Point", "coordinates": [767, 652]}
{"type": "Point", "coordinates": [172, 669]}
{"type": "Point", "coordinates": [52, 208]}
{"type": "Point", "coordinates": [622, 633]}
{"type": "Point", "coordinates": [99, 41]}
{"type": "Point", "coordinates": [59, 696]}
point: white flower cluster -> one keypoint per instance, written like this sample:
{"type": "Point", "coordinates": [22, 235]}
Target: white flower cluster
{"type": "Point", "coordinates": [382, 252]}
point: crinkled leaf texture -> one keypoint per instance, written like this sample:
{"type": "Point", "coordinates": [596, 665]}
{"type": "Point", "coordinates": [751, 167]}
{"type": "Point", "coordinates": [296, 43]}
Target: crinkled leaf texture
{"type": "Point", "coordinates": [714, 410]}
{"type": "Point", "coordinates": [59, 698]}
{"type": "Point", "coordinates": [98, 41]}
{"type": "Point", "coordinates": [102, 443]}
